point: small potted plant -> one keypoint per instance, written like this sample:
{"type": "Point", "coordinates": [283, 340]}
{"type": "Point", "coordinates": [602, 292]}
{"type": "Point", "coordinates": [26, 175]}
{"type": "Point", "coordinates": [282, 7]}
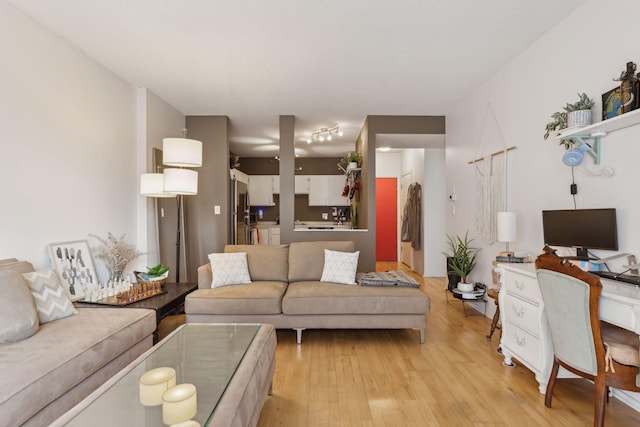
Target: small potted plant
{"type": "Point", "coordinates": [352, 160]}
{"type": "Point", "coordinates": [461, 260]}
{"type": "Point", "coordinates": [156, 273]}
{"type": "Point", "coordinates": [577, 114]}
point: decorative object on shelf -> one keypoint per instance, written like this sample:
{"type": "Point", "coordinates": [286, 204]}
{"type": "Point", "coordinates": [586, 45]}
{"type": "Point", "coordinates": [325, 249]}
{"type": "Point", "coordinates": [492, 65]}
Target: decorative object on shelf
{"type": "Point", "coordinates": [179, 154]}
{"type": "Point", "coordinates": [462, 257]}
{"type": "Point", "coordinates": [324, 134]}
{"type": "Point", "coordinates": [73, 263]}
{"type": "Point", "coordinates": [350, 158]}
{"type": "Point", "coordinates": [629, 88]}
{"type": "Point", "coordinates": [611, 103]}
{"type": "Point", "coordinates": [577, 114]}
{"type": "Point", "coordinates": [116, 254]}
{"type": "Point", "coordinates": [506, 230]}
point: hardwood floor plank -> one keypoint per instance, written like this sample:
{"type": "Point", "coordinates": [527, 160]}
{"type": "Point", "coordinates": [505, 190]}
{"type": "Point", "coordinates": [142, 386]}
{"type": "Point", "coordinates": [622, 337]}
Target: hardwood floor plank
{"type": "Point", "coordinates": [385, 378]}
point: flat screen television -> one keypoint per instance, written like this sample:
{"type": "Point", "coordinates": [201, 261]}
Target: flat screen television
{"type": "Point", "coordinates": [583, 229]}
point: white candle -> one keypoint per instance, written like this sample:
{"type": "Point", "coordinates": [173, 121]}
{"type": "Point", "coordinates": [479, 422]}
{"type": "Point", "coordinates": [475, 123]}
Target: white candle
{"type": "Point", "coordinates": [189, 423]}
{"type": "Point", "coordinates": [154, 383]}
{"type": "Point", "coordinates": [179, 403]}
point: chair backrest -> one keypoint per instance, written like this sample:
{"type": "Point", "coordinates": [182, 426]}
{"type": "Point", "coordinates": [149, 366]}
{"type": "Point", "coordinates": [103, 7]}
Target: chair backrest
{"type": "Point", "coordinates": [571, 299]}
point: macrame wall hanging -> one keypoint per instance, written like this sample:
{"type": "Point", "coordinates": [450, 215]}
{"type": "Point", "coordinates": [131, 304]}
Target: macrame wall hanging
{"type": "Point", "coordinates": [491, 178]}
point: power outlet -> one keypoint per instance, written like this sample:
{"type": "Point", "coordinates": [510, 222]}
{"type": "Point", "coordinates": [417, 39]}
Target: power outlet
{"type": "Point", "coordinates": [325, 216]}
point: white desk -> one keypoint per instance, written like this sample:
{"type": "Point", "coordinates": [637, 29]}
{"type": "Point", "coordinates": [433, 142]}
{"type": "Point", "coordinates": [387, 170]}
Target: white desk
{"type": "Point", "coordinates": [522, 313]}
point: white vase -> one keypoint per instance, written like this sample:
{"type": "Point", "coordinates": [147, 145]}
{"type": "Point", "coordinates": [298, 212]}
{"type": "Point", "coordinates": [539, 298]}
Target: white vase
{"type": "Point", "coordinates": [352, 165]}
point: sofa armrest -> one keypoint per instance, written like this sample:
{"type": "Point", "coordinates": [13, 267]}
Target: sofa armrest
{"type": "Point", "coordinates": [205, 277]}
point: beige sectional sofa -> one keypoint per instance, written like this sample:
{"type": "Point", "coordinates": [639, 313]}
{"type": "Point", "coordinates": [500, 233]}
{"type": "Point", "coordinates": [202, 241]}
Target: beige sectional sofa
{"type": "Point", "coordinates": [286, 292]}
{"type": "Point", "coordinates": [47, 373]}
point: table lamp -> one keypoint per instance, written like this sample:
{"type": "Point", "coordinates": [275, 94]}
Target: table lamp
{"type": "Point", "coordinates": [506, 230]}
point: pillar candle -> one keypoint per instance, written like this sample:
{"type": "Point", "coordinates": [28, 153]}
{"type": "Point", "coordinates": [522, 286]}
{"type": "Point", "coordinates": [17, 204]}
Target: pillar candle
{"type": "Point", "coordinates": [154, 383]}
{"type": "Point", "coordinates": [179, 404]}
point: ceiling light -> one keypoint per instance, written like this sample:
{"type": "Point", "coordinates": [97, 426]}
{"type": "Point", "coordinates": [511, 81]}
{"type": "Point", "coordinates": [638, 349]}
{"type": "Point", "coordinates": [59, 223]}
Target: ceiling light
{"type": "Point", "coordinates": [325, 134]}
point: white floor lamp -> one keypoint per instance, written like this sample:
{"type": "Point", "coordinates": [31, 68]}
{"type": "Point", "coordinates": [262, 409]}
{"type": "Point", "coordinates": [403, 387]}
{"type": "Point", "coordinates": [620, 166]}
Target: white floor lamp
{"type": "Point", "coordinates": [177, 181]}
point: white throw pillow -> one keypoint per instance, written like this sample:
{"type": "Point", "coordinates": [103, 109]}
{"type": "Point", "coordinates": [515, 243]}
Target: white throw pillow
{"type": "Point", "coordinates": [229, 269]}
{"type": "Point", "coordinates": [50, 297]}
{"type": "Point", "coordinates": [340, 267]}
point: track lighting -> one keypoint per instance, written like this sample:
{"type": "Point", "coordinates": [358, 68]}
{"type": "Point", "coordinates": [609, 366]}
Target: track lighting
{"type": "Point", "coordinates": [324, 134]}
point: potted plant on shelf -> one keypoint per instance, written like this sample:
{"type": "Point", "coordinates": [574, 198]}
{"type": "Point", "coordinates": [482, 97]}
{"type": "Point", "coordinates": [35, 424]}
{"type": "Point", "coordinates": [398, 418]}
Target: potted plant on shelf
{"type": "Point", "coordinates": [576, 114]}
{"type": "Point", "coordinates": [352, 160]}
{"type": "Point", "coordinates": [460, 262]}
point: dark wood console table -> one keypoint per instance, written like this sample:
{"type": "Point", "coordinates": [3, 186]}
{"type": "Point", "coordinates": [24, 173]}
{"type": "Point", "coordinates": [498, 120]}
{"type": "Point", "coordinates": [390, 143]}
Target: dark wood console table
{"type": "Point", "coordinates": [170, 302]}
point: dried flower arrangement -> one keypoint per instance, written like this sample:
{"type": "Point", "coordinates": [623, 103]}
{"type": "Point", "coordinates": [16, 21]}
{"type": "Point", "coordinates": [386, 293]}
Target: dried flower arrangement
{"type": "Point", "coordinates": [115, 253]}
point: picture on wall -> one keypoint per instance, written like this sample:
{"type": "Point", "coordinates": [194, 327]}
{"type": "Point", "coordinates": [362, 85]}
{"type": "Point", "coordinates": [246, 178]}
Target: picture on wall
{"type": "Point", "coordinates": [73, 263]}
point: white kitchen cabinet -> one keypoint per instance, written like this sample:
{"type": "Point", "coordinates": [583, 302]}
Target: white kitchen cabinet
{"type": "Point", "coordinates": [274, 235]}
{"type": "Point", "coordinates": [525, 333]}
{"type": "Point", "coordinates": [262, 236]}
{"type": "Point", "coordinates": [301, 184]}
{"type": "Point", "coordinates": [261, 190]}
{"type": "Point", "coordinates": [276, 184]}
{"type": "Point", "coordinates": [326, 190]}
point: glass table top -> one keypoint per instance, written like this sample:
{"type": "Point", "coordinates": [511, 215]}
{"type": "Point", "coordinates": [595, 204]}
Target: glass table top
{"type": "Point", "coordinates": [205, 355]}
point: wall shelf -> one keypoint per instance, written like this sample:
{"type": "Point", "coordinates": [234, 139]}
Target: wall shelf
{"type": "Point", "coordinates": [599, 130]}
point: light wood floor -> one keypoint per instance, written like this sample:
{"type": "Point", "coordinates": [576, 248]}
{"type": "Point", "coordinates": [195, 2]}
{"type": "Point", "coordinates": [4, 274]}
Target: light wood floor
{"type": "Point", "coordinates": [386, 378]}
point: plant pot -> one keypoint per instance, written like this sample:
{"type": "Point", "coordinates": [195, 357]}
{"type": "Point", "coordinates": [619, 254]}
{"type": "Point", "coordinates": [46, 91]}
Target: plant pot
{"type": "Point", "coordinates": [352, 166]}
{"type": "Point", "coordinates": [579, 118]}
{"type": "Point", "coordinates": [453, 279]}
{"type": "Point", "coordinates": [465, 287]}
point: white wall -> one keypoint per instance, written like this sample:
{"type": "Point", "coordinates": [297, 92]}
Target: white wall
{"type": "Point", "coordinates": [68, 163]}
{"type": "Point", "coordinates": [524, 94]}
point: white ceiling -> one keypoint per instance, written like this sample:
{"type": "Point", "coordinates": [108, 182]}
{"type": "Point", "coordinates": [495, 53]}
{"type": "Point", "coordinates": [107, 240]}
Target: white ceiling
{"type": "Point", "coordinates": [326, 62]}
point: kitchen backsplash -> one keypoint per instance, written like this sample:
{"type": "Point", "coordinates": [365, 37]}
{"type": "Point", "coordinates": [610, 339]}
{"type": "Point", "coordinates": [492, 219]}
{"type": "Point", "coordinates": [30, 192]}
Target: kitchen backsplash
{"type": "Point", "coordinates": [303, 211]}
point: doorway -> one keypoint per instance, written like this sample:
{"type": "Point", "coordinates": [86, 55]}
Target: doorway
{"type": "Point", "coordinates": [386, 219]}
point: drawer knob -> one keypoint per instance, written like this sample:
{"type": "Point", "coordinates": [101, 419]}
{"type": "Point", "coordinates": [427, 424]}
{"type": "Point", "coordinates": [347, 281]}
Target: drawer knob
{"type": "Point", "coordinates": [518, 312]}
{"type": "Point", "coordinates": [519, 285]}
{"type": "Point", "coordinates": [521, 341]}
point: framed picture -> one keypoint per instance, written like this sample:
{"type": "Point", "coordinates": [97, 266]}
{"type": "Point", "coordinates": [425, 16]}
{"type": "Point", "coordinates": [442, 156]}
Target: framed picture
{"type": "Point", "coordinates": [611, 103]}
{"type": "Point", "coordinates": [73, 263]}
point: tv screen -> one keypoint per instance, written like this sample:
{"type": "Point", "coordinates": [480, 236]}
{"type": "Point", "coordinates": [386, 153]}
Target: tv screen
{"type": "Point", "coordinates": [581, 228]}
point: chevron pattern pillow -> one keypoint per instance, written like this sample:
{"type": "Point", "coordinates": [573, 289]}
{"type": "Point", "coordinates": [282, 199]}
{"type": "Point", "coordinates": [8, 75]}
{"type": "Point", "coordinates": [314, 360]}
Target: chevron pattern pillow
{"type": "Point", "coordinates": [50, 297]}
{"type": "Point", "coordinates": [340, 267]}
{"type": "Point", "coordinates": [229, 269]}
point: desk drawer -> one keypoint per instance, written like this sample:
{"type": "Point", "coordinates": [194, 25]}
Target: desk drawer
{"type": "Point", "coordinates": [522, 313]}
{"type": "Point", "coordinates": [523, 286]}
{"type": "Point", "coordinates": [523, 345]}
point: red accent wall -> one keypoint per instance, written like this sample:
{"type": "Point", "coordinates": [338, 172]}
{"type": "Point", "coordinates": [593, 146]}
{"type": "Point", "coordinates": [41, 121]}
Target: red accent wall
{"type": "Point", "coordinates": [386, 219]}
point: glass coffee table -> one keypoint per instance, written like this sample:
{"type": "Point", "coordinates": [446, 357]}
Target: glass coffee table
{"type": "Point", "coordinates": [208, 356]}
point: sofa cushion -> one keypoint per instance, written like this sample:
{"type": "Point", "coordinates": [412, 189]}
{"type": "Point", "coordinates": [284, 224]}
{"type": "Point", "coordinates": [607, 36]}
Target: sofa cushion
{"type": "Point", "coordinates": [265, 262]}
{"type": "Point", "coordinates": [33, 375]}
{"type": "Point", "coordinates": [50, 297]}
{"type": "Point", "coordinates": [229, 269]}
{"type": "Point", "coordinates": [313, 297]}
{"type": "Point", "coordinates": [340, 267]}
{"type": "Point", "coordinates": [18, 315]}
{"type": "Point", "coordinates": [306, 259]}
{"type": "Point", "coordinates": [261, 297]}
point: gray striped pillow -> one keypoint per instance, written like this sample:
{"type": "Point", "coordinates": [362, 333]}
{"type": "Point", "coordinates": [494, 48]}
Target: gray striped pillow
{"type": "Point", "coordinates": [50, 297]}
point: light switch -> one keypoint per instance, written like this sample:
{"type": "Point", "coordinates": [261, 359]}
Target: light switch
{"type": "Point", "coordinates": [216, 210]}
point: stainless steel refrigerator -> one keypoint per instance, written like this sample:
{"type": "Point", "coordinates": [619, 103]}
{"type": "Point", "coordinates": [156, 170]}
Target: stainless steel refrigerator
{"type": "Point", "coordinates": [241, 221]}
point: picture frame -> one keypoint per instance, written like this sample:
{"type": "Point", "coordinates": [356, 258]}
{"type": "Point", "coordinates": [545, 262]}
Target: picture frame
{"type": "Point", "coordinates": [74, 266]}
{"type": "Point", "coordinates": [611, 103]}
